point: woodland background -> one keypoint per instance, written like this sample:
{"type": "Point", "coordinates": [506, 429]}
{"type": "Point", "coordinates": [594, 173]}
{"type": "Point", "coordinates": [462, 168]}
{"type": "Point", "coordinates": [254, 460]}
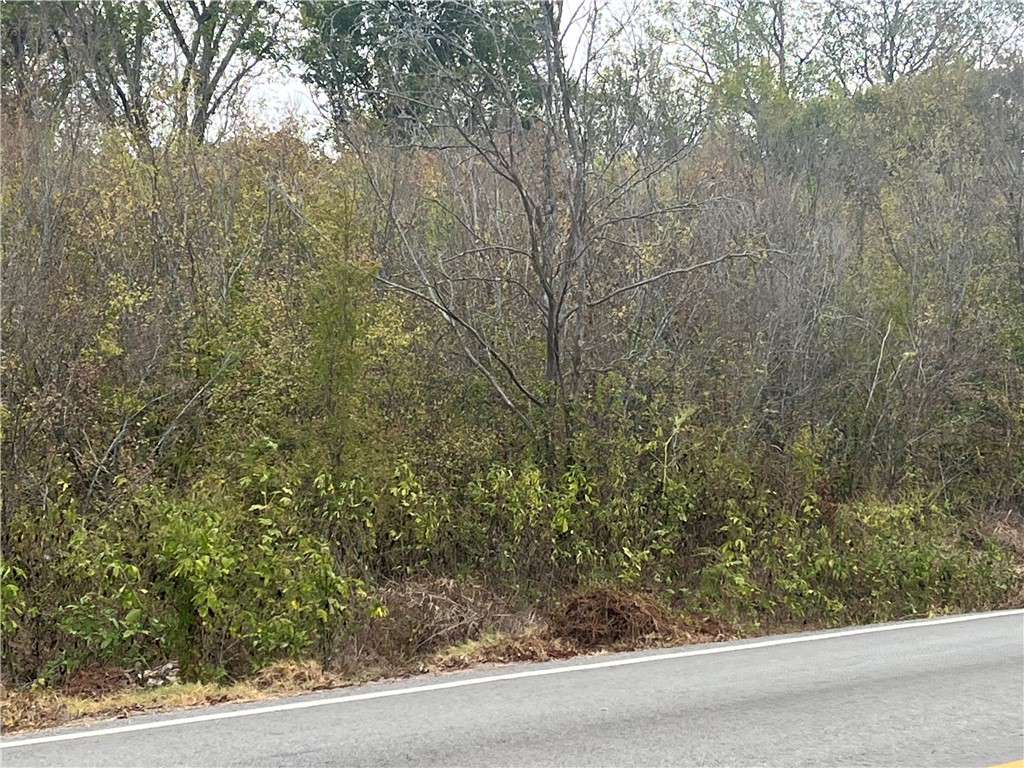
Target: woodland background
{"type": "Point", "coordinates": [721, 302]}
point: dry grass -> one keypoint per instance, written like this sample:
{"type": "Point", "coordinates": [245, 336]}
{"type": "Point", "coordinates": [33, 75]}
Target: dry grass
{"type": "Point", "coordinates": [432, 625]}
{"type": "Point", "coordinates": [608, 616]}
{"type": "Point", "coordinates": [426, 614]}
{"type": "Point", "coordinates": [1008, 529]}
{"type": "Point", "coordinates": [531, 645]}
{"type": "Point", "coordinates": [588, 621]}
{"type": "Point", "coordinates": [423, 616]}
{"type": "Point", "coordinates": [28, 709]}
{"type": "Point", "coordinates": [617, 619]}
{"type": "Point", "coordinates": [290, 676]}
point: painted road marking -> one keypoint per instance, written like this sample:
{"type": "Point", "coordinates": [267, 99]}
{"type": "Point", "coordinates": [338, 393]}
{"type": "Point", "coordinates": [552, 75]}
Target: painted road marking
{"type": "Point", "coordinates": [1013, 764]}
{"type": "Point", "coordinates": [619, 662]}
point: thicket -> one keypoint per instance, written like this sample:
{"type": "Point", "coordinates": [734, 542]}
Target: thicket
{"type": "Point", "coordinates": [246, 382]}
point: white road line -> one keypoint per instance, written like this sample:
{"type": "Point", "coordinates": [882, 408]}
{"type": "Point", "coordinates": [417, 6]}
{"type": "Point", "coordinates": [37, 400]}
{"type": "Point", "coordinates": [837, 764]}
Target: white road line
{"type": "Point", "coordinates": [617, 662]}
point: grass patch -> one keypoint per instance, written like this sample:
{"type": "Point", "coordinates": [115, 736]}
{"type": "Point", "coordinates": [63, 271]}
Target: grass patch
{"type": "Point", "coordinates": [432, 627]}
{"type": "Point", "coordinates": [29, 709]}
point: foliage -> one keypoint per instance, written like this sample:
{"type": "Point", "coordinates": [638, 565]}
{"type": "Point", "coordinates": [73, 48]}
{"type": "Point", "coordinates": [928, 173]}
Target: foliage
{"type": "Point", "coordinates": [391, 59]}
{"type": "Point", "coordinates": [870, 560]}
{"type": "Point", "coordinates": [754, 345]}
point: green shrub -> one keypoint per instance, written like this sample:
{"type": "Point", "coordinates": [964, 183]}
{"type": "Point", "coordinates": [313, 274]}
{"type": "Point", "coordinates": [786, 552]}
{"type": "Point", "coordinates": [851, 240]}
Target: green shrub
{"type": "Point", "coordinates": [865, 561]}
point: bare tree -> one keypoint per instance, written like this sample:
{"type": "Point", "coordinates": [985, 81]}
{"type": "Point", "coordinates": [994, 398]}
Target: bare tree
{"type": "Point", "coordinates": [545, 238]}
{"type": "Point", "coordinates": [220, 44]}
{"type": "Point", "coordinates": [882, 40]}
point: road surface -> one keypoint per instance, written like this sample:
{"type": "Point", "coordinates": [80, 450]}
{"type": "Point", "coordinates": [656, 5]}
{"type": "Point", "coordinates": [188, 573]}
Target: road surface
{"type": "Point", "coordinates": [947, 691]}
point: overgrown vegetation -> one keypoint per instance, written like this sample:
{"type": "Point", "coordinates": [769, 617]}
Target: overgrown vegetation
{"type": "Point", "coordinates": [748, 344]}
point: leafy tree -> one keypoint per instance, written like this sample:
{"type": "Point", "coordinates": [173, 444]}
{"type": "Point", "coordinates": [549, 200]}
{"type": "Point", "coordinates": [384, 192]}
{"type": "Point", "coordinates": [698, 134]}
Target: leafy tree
{"type": "Point", "coordinates": [393, 59]}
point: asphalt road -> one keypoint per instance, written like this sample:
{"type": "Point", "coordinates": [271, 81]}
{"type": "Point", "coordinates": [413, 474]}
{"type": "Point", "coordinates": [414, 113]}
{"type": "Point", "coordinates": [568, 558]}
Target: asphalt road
{"type": "Point", "coordinates": [939, 692]}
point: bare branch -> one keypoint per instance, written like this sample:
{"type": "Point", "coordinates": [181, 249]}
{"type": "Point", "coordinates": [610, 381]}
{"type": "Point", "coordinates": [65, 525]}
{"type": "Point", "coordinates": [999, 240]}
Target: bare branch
{"type": "Point", "coordinates": [669, 273]}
